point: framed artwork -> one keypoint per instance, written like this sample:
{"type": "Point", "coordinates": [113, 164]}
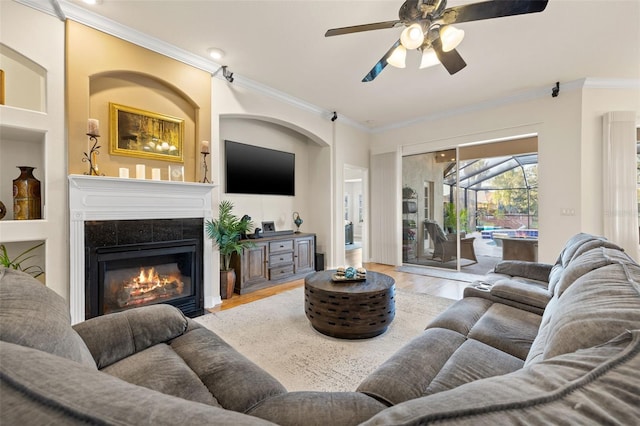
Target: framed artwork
{"type": "Point", "coordinates": [268, 227]}
{"type": "Point", "coordinates": [176, 173]}
{"type": "Point", "coordinates": [143, 134]}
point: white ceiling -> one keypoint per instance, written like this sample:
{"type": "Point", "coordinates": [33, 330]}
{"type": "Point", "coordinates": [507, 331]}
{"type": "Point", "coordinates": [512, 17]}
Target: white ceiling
{"type": "Point", "coordinates": [281, 44]}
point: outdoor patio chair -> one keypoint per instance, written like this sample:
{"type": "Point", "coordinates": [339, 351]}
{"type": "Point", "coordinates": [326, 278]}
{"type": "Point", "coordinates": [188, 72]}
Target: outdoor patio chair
{"type": "Point", "coordinates": [444, 246]}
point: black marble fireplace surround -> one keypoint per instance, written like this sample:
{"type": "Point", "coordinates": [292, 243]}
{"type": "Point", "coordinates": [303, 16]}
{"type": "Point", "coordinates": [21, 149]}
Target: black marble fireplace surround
{"type": "Point", "coordinates": [172, 248]}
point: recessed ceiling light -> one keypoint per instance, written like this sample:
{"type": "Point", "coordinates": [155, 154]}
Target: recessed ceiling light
{"type": "Point", "coordinates": [215, 53]}
{"type": "Point", "coordinates": [92, 2]}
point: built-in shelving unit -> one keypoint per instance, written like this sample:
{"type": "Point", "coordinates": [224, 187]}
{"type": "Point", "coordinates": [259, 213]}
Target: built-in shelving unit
{"type": "Point", "coordinates": [32, 134]}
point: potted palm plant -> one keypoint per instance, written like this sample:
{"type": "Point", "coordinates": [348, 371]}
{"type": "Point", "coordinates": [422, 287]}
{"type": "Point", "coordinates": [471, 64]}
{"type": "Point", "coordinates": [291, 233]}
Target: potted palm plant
{"type": "Point", "coordinates": [227, 232]}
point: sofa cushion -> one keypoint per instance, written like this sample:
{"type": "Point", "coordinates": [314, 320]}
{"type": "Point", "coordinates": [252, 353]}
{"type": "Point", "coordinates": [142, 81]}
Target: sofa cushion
{"type": "Point", "coordinates": [472, 361]}
{"type": "Point", "coordinates": [598, 385]}
{"type": "Point", "coordinates": [35, 316]}
{"type": "Point", "coordinates": [318, 409]}
{"type": "Point", "coordinates": [528, 292]}
{"type": "Point", "coordinates": [161, 369]}
{"type": "Point", "coordinates": [38, 388]}
{"type": "Point", "coordinates": [519, 268]}
{"type": "Point", "coordinates": [462, 315]}
{"type": "Point", "coordinates": [439, 359]}
{"type": "Point", "coordinates": [115, 336]}
{"type": "Point", "coordinates": [597, 306]}
{"type": "Point", "coordinates": [237, 383]}
{"type": "Point", "coordinates": [588, 261]}
{"type": "Point", "coordinates": [508, 329]}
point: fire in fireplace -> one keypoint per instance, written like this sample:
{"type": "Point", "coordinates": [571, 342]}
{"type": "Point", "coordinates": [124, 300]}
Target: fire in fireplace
{"type": "Point", "coordinates": [124, 289]}
{"type": "Point", "coordinates": [132, 271]}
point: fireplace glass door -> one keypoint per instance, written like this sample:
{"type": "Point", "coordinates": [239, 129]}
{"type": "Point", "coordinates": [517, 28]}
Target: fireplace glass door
{"type": "Point", "coordinates": [132, 276]}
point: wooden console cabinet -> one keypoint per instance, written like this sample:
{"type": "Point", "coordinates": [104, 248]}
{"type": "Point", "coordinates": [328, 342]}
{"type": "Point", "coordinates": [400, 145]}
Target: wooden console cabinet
{"type": "Point", "coordinates": [274, 260]}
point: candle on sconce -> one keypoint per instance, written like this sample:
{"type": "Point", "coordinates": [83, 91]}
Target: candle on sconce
{"type": "Point", "coordinates": [155, 174]}
{"type": "Point", "coordinates": [93, 127]}
{"type": "Point", "coordinates": [140, 171]}
{"type": "Point", "coordinates": [124, 172]}
{"type": "Point", "coordinates": [204, 147]}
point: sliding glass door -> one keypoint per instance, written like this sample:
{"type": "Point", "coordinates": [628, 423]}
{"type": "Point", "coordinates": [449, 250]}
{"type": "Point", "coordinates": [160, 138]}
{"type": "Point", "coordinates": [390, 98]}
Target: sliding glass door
{"type": "Point", "coordinates": [461, 207]}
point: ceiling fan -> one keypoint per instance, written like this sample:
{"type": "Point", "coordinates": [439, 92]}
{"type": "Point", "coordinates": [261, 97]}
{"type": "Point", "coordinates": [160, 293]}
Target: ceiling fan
{"type": "Point", "coordinates": [428, 28]}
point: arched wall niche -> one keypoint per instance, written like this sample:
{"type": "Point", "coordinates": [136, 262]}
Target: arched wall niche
{"type": "Point", "coordinates": [286, 124]}
{"type": "Point", "coordinates": [313, 165]}
{"type": "Point", "coordinates": [147, 93]}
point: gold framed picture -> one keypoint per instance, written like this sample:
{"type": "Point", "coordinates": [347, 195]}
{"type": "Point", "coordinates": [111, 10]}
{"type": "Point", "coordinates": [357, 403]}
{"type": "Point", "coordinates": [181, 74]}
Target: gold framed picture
{"type": "Point", "coordinates": [143, 134]}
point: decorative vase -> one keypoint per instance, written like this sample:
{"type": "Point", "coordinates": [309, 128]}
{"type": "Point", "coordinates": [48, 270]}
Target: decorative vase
{"type": "Point", "coordinates": [297, 220]}
{"type": "Point", "coordinates": [3, 210]}
{"type": "Point", "coordinates": [227, 283]}
{"type": "Point", "coordinates": [26, 195]}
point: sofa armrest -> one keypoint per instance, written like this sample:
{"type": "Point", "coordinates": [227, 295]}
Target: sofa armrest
{"type": "Point", "coordinates": [113, 337]}
{"type": "Point", "coordinates": [521, 292]}
{"type": "Point", "coordinates": [520, 268]}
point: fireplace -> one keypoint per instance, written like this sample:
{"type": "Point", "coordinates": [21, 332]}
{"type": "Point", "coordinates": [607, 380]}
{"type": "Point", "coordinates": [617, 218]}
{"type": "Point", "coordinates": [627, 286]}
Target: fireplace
{"type": "Point", "coordinates": [142, 262]}
{"type": "Point", "coordinates": [108, 215]}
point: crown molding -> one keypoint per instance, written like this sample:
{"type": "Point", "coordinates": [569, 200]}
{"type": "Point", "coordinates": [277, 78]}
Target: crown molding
{"type": "Point", "coordinates": [65, 9]}
{"type": "Point", "coordinates": [489, 104]}
{"type": "Point", "coordinates": [612, 83]}
{"type": "Point", "coordinates": [584, 83]}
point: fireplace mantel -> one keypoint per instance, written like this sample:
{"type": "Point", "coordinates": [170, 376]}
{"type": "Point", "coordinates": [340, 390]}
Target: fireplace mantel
{"type": "Point", "coordinates": [108, 198]}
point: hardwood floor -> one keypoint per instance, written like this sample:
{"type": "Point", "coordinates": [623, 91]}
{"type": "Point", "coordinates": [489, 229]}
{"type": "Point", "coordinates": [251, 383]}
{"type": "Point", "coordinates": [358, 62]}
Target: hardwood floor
{"type": "Point", "coordinates": [441, 287]}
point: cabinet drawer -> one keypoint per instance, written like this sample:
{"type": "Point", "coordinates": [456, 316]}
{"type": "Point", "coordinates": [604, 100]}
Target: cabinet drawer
{"type": "Point", "coordinates": [280, 258]}
{"type": "Point", "coordinates": [280, 272]}
{"type": "Point", "coordinates": [277, 246]}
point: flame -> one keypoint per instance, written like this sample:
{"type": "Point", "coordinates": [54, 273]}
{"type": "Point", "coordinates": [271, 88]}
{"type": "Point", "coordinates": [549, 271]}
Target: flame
{"type": "Point", "coordinates": [150, 281]}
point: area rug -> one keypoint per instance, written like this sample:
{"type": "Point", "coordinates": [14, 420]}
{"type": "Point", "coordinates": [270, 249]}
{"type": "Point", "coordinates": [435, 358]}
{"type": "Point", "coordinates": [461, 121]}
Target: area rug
{"type": "Point", "coordinates": [276, 335]}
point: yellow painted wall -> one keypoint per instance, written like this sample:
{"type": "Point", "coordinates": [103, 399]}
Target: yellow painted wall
{"type": "Point", "coordinates": [103, 69]}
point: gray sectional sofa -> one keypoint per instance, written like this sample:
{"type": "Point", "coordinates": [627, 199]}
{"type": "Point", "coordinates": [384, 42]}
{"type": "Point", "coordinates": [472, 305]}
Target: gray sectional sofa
{"type": "Point", "coordinates": [530, 344]}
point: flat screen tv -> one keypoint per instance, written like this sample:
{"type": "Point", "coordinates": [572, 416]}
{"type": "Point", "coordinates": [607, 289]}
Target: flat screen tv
{"type": "Point", "coordinates": [252, 169]}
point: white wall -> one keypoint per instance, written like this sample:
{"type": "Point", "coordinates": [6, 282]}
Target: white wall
{"type": "Point", "coordinates": [568, 150]}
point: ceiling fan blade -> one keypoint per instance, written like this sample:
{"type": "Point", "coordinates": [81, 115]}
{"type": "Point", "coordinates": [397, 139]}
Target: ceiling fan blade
{"type": "Point", "coordinates": [377, 68]}
{"type": "Point", "coordinates": [492, 9]}
{"type": "Point", "coordinates": [451, 60]}
{"type": "Point", "coordinates": [360, 28]}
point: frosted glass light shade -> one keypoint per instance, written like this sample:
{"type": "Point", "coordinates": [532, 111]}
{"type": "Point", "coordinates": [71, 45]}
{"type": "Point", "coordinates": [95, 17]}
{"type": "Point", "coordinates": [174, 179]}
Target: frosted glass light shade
{"type": "Point", "coordinates": [429, 58]}
{"type": "Point", "coordinates": [412, 36]}
{"type": "Point", "coordinates": [451, 37]}
{"type": "Point", "coordinates": [398, 57]}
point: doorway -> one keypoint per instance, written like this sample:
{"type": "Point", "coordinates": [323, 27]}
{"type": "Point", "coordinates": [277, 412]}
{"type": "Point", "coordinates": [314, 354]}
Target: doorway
{"type": "Point", "coordinates": [355, 215]}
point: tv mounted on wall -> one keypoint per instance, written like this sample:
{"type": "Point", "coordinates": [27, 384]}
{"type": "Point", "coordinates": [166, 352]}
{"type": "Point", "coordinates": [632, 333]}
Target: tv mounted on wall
{"type": "Point", "coordinates": [252, 169]}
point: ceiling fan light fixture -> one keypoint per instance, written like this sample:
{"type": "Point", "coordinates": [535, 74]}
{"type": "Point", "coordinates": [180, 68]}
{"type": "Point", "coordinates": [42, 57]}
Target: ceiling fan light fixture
{"type": "Point", "coordinates": [451, 37]}
{"type": "Point", "coordinates": [429, 58]}
{"type": "Point", "coordinates": [398, 57]}
{"type": "Point", "coordinates": [412, 37]}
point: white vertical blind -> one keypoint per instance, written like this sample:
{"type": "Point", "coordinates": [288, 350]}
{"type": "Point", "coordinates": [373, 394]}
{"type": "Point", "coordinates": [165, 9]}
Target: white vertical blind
{"type": "Point", "coordinates": [385, 220]}
{"type": "Point", "coordinates": [619, 180]}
